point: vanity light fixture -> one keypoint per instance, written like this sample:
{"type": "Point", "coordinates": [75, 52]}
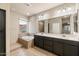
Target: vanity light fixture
{"type": "Point", "coordinates": [58, 11]}
{"type": "Point", "coordinates": [64, 10]}
{"type": "Point", "coordinates": [69, 9]}
{"type": "Point", "coordinates": [40, 17]}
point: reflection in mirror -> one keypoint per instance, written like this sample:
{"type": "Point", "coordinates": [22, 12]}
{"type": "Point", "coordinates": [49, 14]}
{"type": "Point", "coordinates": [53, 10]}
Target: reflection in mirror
{"type": "Point", "coordinates": [75, 23]}
{"type": "Point", "coordinates": [54, 26]}
{"type": "Point", "coordinates": [66, 25]}
{"type": "Point", "coordinates": [41, 26]}
{"type": "Point", "coordinates": [48, 27]}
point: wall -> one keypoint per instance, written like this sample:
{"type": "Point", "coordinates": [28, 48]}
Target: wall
{"type": "Point", "coordinates": [7, 8]}
{"type": "Point", "coordinates": [15, 26]}
{"type": "Point", "coordinates": [33, 24]}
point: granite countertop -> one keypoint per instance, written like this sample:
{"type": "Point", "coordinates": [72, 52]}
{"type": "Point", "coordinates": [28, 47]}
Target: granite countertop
{"type": "Point", "coordinates": [62, 36]}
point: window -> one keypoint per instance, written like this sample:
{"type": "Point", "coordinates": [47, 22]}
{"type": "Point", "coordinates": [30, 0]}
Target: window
{"type": "Point", "coordinates": [23, 23]}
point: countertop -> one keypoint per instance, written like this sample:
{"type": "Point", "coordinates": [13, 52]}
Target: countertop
{"type": "Point", "coordinates": [62, 36]}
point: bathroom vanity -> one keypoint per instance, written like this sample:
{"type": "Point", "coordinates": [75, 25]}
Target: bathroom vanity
{"type": "Point", "coordinates": [58, 43]}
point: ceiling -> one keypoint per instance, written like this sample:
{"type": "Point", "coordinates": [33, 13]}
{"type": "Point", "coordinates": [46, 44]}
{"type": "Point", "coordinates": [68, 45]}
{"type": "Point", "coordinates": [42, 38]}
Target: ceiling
{"type": "Point", "coordinates": [35, 8]}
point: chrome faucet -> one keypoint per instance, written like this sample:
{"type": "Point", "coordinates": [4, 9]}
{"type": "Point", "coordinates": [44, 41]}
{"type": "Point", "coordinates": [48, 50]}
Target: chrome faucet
{"type": "Point", "coordinates": [64, 35]}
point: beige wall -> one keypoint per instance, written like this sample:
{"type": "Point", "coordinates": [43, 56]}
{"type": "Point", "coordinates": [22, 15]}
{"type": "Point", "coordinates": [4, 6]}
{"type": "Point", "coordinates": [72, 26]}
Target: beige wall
{"type": "Point", "coordinates": [33, 23]}
{"type": "Point", "coordinates": [15, 26]}
{"type": "Point", "coordinates": [7, 8]}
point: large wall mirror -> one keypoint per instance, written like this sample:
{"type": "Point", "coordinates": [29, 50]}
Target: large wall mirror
{"type": "Point", "coordinates": [59, 25]}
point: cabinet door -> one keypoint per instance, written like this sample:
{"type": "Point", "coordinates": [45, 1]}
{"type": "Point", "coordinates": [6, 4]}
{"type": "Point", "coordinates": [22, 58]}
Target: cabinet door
{"type": "Point", "coordinates": [58, 48]}
{"type": "Point", "coordinates": [38, 41]}
{"type": "Point", "coordinates": [41, 42]}
{"type": "Point", "coordinates": [70, 50]}
{"type": "Point", "coordinates": [48, 44]}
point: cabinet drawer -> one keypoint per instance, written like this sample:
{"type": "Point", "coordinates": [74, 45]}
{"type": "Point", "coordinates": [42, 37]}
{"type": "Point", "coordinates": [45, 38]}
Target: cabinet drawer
{"type": "Point", "coordinates": [70, 50]}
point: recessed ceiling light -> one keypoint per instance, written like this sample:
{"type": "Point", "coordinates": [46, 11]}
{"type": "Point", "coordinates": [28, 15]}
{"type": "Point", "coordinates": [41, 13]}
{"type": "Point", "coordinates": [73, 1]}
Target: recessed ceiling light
{"type": "Point", "coordinates": [28, 14]}
{"type": "Point", "coordinates": [28, 4]}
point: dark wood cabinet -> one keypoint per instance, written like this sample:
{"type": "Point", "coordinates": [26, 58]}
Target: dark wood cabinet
{"type": "Point", "coordinates": [38, 41]}
{"type": "Point", "coordinates": [58, 46]}
{"type": "Point", "coordinates": [70, 50]}
{"type": "Point", "coordinates": [48, 44]}
{"type": "Point", "coordinates": [41, 43]}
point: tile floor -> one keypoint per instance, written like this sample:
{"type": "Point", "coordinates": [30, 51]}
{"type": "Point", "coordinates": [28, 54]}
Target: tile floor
{"type": "Point", "coordinates": [35, 51]}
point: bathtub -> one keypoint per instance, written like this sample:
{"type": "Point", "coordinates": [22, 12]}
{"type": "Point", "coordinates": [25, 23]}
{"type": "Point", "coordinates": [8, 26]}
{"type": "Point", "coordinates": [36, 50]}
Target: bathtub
{"type": "Point", "coordinates": [27, 38]}
{"type": "Point", "coordinates": [26, 41]}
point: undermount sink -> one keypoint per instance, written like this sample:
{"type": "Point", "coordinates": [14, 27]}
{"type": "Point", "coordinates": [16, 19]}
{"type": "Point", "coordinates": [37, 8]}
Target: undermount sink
{"type": "Point", "coordinates": [64, 35]}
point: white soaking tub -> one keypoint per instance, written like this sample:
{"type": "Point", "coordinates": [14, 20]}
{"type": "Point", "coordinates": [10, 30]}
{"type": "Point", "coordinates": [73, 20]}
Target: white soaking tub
{"type": "Point", "coordinates": [27, 38]}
